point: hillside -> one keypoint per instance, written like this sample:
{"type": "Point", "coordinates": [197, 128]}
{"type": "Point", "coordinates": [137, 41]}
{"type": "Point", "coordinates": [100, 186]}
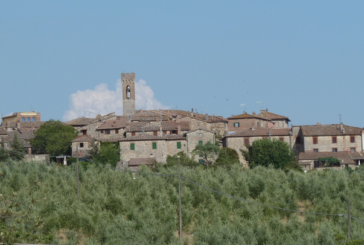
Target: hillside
{"type": "Point", "coordinates": [39, 203]}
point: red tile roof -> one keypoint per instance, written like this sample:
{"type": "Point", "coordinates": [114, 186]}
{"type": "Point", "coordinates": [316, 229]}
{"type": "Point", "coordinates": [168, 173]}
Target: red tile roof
{"type": "Point", "coordinates": [82, 121]}
{"type": "Point", "coordinates": [330, 129]}
{"type": "Point", "coordinates": [260, 132]}
{"type": "Point", "coordinates": [343, 156]}
{"type": "Point", "coordinates": [114, 124]}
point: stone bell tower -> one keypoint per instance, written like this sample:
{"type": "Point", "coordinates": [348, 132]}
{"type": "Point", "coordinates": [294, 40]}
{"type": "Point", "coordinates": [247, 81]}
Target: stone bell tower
{"type": "Point", "coordinates": [128, 81]}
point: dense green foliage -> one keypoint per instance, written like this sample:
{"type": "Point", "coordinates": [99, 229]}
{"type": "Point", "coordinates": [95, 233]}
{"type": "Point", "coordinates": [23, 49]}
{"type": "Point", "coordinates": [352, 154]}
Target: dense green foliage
{"type": "Point", "coordinates": [267, 152]}
{"type": "Point", "coordinates": [184, 161]}
{"type": "Point", "coordinates": [54, 138]}
{"type": "Point", "coordinates": [16, 152]}
{"type": "Point", "coordinates": [107, 153]}
{"type": "Point", "coordinates": [208, 152]}
{"type": "Point", "coordinates": [38, 203]}
{"type": "Point", "coordinates": [329, 161]}
{"type": "Point", "coordinates": [227, 157]}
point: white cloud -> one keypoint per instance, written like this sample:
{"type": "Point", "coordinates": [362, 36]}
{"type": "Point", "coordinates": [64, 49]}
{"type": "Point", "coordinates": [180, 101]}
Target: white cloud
{"type": "Point", "coordinates": [102, 101]}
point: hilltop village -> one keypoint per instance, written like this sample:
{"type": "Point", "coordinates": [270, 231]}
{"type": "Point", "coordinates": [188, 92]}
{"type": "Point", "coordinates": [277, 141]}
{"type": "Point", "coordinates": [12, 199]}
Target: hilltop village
{"type": "Point", "coordinates": [146, 136]}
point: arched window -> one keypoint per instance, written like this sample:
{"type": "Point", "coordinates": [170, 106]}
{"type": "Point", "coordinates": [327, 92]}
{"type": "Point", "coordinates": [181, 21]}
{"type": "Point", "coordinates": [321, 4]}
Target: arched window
{"type": "Point", "coordinates": [33, 119]}
{"type": "Point", "coordinates": [128, 92]}
{"type": "Point", "coordinates": [23, 119]}
{"type": "Point", "coordinates": [28, 119]}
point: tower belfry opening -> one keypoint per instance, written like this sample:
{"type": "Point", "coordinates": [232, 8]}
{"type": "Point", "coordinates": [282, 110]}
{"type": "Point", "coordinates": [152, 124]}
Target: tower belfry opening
{"type": "Point", "coordinates": [128, 82]}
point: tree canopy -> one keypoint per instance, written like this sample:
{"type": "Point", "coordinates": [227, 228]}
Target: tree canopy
{"type": "Point", "coordinates": [227, 157]}
{"type": "Point", "coordinates": [108, 153]}
{"type": "Point", "coordinates": [267, 152]}
{"type": "Point", "coordinates": [184, 160]}
{"type": "Point", "coordinates": [54, 138]}
{"type": "Point", "coordinates": [208, 152]}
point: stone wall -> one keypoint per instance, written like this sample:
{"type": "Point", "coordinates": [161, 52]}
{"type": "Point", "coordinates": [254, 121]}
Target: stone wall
{"type": "Point", "coordinates": [325, 144]}
{"type": "Point", "coordinates": [193, 139]}
{"type": "Point", "coordinates": [37, 158]}
{"type": "Point", "coordinates": [144, 149]}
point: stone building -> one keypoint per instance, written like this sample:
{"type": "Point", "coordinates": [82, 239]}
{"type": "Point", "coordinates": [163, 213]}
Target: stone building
{"type": "Point", "coordinates": [240, 139]}
{"type": "Point", "coordinates": [264, 119]}
{"type": "Point", "coordinates": [22, 117]}
{"type": "Point", "coordinates": [312, 140]}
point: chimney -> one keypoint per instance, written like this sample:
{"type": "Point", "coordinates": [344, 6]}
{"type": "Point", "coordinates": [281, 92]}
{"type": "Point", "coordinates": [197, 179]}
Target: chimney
{"type": "Point", "coordinates": [253, 113]}
{"type": "Point", "coordinates": [207, 117]}
{"type": "Point", "coordinates": [342, 128]}
{"type": "Point", "coordinates": [178, 127]}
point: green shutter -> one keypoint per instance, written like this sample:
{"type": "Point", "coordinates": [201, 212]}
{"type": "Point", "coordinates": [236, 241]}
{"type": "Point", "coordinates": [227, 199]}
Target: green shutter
{"type": "Point", "coordinates": [154, 145]}
{"type": "Point", "coordinates": [179, 145]}
{"type": "Point", "coordinates": [132, 146]}
{"type": "Point", "coordinates": [200, 142]}
{"type": "Point", "coordinates": [201, 161]}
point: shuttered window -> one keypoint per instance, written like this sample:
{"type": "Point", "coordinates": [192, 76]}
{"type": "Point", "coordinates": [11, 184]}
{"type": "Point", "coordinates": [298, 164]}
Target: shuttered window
{"type": "Point", "coordinates": [154, 145]}
{"type": "Point", "coordinates": [132, 146]}
{"type": "Point", "coordinates": [179, 145]}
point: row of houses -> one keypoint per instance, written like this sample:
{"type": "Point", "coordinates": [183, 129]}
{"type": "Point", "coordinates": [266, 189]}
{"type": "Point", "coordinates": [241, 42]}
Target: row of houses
{"type": "Point", "coordinates": [145, 136]}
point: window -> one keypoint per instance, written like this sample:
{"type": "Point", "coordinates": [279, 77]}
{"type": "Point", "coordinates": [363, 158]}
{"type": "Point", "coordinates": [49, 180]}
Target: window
{"type": "Point", "coordinates": [164, 131]}
{"type": "Point", "coordinates": [201, 155]}
{"type": "Point", "coordinates": [298, 140]}
{"type": "Point", "coordinates": [179, 145]}
{"type": "Point", "coordinates": [81, 145]}
{"type": "Point", "coordinates": [281, 138]}
{"type": "Point", "coordinates": [154, 145]}
{"type": "Point", "coordinates": [200, 135]}
{"type": "Point", "coordinates": [246, 141]}
{"type": "Point", "coordinates": [258, 124]}
{"type": "Point", "coordinates": [155, 133]}
{"type": "Point", "coordinates": [200, 142]}
{"type": "Point", "coordinates": [128, 92]}
{"type": "Point", "coordinates": [132, 133]}
{"type": "Point", "coordinates": [33, 119]}
{"type": "Point", "coordinates": [315, 150]}
{"type": "Point", "coordinates": [23, 119]}
{"type": "Point", "coordinates": [107, 131]}
{"type": "Point", "coordinates": [352, 139]}
{"type": "Point", "coordinates": [84, 132]}
{"type": "Point", "coordinates": [334, 139]}
{"type": "Point", "coordinates": [116, 131]}
{"type": "Point", "coordinates": [314, 140]}
{"type": "Point", "coordinates": [28, 119]}
{"type": "Point", "coordinates": [102, 131]}
{"type": "Point", "coordinates": [174, 132]}
{"type": "Point", "coordinates": [132, 146]}
{"type": "Point", "coordinates": [236, 124]}
{"type": "Point", "coordinates": [334, 149]}
{"type": "Point", "coordinates": [352, 149]}
{"type": "Point", "coordinates": [200, 161]}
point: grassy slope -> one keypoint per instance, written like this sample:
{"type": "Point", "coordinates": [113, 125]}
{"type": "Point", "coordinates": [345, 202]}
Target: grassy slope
{"type": "Point", "coordinates": [115, 208]}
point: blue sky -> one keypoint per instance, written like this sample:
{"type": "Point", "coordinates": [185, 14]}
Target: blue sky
{"type": "Point", "coordinates": [300, 59]}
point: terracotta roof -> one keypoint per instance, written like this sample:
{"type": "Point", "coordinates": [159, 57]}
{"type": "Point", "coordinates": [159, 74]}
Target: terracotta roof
{"type": "Point", "coordinates": [80, 121]}
{"type": "Point", "coordinates": [260, 132]}
{"type": "Point", "coordinates": [329, 129]}
{"type": "Point", "coordinates": [244, 116]}
{"type": "Point", "coordinates": [343, 156]}
{"type": "Point", "coordinates": [83, 138]}
{"type": "Point", "coordinates": [114, 124]}
{"type": "Point", "coordinates": [271, 116]}
{"type": "Point", "coordinates": [264, 115]}
{"type": "Point", "coordinates": [356, 155]}
{"type": "Point", "coordinates": [147, 137]}
{"type": "Point", "coordinates": [141, 161]}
